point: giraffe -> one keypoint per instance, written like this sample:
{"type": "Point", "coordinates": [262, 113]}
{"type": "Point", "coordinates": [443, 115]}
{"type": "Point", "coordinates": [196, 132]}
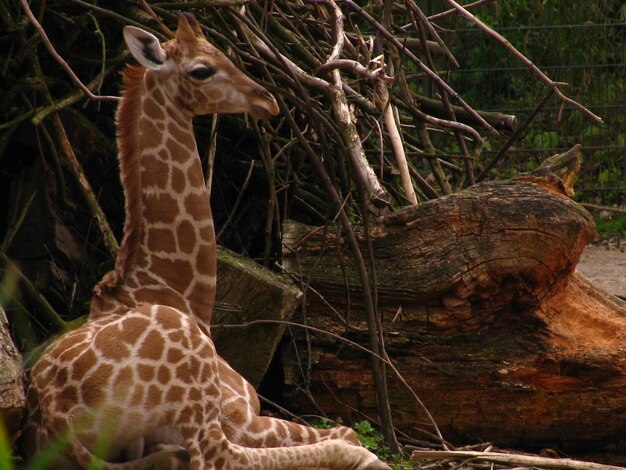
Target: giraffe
{"type": "Point", "coordinates": [103, 372]}
{"type": "Point", "coordinates": [134, 279]}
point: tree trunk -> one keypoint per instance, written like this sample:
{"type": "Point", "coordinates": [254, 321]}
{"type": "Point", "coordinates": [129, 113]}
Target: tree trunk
{"type": "Point", "coordinates": [12, 398]}
{"type": "Point", "coordinates": [484, 314]}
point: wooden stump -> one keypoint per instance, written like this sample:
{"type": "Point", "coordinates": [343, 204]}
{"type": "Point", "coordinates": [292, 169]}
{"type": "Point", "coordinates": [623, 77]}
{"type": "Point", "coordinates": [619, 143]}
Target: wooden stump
{"type": "Point", "coordinates": [483, 314]}
{"type": "Point", "coordinates": [246, 291]}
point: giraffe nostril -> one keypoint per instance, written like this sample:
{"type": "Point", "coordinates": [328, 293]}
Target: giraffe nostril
{"type": "Point", "coordinates": [266, 94]}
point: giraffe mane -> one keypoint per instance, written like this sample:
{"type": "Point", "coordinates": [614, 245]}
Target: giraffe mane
{"type": "Point", "coordinates": [127, 123]}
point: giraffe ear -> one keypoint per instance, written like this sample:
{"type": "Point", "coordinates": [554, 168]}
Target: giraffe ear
{"type": "Point", "coordinates": [145, 47]}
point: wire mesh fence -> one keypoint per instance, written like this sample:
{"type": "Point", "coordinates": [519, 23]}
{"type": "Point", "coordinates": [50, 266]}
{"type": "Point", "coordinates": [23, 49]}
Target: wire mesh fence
{"type": "Point", "coordinates": [589, 57]}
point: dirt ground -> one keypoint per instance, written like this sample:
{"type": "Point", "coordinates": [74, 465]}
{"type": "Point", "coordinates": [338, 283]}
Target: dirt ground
{"type": "Point", "coordinates": [605, 265]}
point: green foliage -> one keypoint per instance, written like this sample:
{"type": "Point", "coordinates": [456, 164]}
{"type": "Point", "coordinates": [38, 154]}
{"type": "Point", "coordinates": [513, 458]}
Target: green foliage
{"type": "Point", "coordinates": [571, 42]}
{"type": "Point", "coordinates": [613, 227]}
{"type": "Point", "coordinates": [545, 140]}
{"type": "Point", "coordinates": [5, 450]}
{"type": "Point", "coordinates": [605, 177]}
{"type": "Point", "coordinates": [323, 423]}
{"type": "Point", "coordinates": [401, 464]}
{"type": "Point", "coordinates": [372, 439]}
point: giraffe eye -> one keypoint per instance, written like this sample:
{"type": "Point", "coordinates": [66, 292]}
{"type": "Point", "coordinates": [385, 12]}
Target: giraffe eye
{"type": "Point", "coordinates": [202, 72]}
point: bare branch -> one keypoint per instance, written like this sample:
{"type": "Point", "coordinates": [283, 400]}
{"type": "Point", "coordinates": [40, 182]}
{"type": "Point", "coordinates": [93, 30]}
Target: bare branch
{"type": "Point", "coordinates": [366, 175]}
{"type": "Point", "coordinates": [396, 142]}
{"type": "Point", "coordinates": [502, 40]}
{"type": "Point", "coordinates": [516, 134]}
{"type": "Point", "coordinates": [430, 73]}
{"type": "Point", "coordinates": [597, 207]}
{"type": "Point", "coordinates": [443, 14]}
{"type": "Point", "coordinates": [167, 31]}
{"type": "Point", "coordinates": [431, 30]}
{"type": "Point", "coordinates": [420, 26]}
{"type": "Point", "coordinates": [454, 125]}
{"type": "Point", "coordinates": [357, 68]}
{"type": "Point", "coordinates": [59, 59]}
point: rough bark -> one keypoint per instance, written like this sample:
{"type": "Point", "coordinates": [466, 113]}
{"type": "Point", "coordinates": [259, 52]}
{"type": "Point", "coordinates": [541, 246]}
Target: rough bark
{"type": "Point", "coordinates": [484, 316]}
{"type": "Point", "coordinates": [246, 291]}
{"type": "Point", "coordinates": [12, 398]}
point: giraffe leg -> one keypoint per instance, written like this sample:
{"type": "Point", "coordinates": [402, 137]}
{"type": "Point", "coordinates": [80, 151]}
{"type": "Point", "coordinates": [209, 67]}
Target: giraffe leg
{"type": "Point", "coordinates": [165, 438]}
{"type": "Point", "coordinates": [163, 459]}
{"type": "Point", "coordinates": [165, 442]}
{"type": "Point", "coordinates": [219, 452]}
{"type": "Point", "coordinates": [244, 426]}
{"type": "Point", "coordinates": [251, 430]}
{"type": "Point", "coordinates": [218, 449]}
{"type": "Point", "coordinates": [188, 398]}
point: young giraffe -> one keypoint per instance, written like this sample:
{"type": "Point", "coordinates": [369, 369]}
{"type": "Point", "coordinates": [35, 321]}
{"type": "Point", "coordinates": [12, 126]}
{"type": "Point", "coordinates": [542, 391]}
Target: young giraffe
{"type": "Point", "coordinates": [138, 367]}
{"type": "Point", "coordinates": [142, 276]}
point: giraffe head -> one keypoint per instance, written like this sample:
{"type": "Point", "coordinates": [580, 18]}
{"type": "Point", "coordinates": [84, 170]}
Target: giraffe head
{"type": "Point", "coordinates": [196, 76]}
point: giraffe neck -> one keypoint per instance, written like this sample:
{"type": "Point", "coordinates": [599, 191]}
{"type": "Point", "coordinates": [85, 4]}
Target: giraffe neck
{"type": "Point", "coordinates": [168, 253]}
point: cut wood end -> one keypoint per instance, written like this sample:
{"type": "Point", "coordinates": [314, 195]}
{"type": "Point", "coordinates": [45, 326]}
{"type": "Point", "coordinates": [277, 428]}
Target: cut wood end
{"type": "Point", "coordinates": [380, 199]}
{"type": "Point", "coordinates": [558, 171]}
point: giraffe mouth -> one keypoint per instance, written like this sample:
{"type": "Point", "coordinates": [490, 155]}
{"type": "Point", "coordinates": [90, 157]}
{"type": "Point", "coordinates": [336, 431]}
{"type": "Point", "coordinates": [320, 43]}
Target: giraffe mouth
{"type": "Point", "coordinates": [264, 105]}
{"type": "Point", "coordinates": [264, 110]}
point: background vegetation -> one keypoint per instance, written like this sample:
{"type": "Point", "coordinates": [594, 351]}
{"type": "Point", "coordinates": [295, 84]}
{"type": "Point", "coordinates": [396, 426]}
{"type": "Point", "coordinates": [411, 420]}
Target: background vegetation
{"type": "Point", "coordinates": [580, 43]}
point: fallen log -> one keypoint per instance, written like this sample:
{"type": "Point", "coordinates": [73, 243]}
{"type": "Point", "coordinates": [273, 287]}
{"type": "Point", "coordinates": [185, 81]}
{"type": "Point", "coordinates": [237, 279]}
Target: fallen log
{"type": "Point", "coordinates": [483, 314]}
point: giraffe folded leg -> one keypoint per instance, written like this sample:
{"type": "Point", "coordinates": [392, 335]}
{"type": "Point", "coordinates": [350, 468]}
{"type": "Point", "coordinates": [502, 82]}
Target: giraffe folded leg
{"type": "Point", "coordinates": [148, 369]}
{"type": "Point", "coordinates": [243, 424]}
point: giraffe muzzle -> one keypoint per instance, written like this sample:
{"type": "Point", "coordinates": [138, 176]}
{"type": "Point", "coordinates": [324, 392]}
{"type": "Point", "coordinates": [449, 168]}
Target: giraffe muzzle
{"type": "Point", "coordinates": [263, 105]}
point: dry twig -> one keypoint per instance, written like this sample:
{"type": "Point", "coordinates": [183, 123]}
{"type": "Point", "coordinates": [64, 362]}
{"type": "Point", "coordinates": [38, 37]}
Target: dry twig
{"type": "Point", "coordinates": [511, 459]}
